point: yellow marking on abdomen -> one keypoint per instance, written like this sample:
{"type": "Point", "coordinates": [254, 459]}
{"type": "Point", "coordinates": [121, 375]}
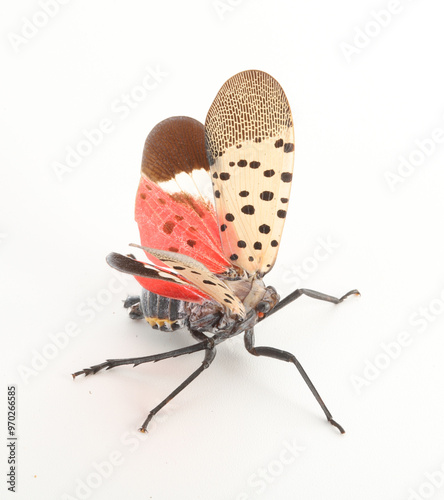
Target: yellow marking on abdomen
{"type": "Point", "coordinates": [159, 322]}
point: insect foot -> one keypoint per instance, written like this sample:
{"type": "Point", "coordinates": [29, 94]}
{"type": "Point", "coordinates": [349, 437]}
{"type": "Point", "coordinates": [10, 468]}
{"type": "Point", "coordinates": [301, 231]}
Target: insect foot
{"type": "Point", "coordinates": [93, 369]}
{"type": "Point", "coordinates": [335, 424]}
{"type": "Point", "coordinates": [351, 292]}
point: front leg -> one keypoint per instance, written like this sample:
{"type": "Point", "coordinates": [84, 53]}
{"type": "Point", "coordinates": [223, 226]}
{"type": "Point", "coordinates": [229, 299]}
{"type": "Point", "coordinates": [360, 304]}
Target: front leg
{"type": "Point", "coordinates": [310, 293]}
{"type": "Point", "coordinates": [272, 352]}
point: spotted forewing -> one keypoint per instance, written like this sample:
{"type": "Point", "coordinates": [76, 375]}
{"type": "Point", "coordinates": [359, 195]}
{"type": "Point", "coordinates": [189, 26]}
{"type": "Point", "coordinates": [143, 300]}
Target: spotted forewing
{"type": "Point", "coordinates": [247, 146]}
{"type": "Point", "coordinates": [250, 146]}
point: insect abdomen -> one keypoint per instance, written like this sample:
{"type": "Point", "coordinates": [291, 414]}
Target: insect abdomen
{"type": "Point", "coordinates": [161, 312]}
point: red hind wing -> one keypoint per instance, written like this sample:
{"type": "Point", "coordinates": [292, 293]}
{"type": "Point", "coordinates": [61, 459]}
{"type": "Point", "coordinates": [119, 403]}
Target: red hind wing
{"type": "Point", "coordinates": [171, 290]}
{"type": "Point", "coordinates": [176, 221]}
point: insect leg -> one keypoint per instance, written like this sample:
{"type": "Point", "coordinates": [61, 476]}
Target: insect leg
{"type": "Point", "coordinates": [272, 352]}
{"type": "Point", "coordinates": [210, 353]}
{"type": "Point", "coordinates": [112, 363]}
{"type": "Point", "coordinates": [310, 293]}
{"type": "Point", "coordinates": [132, 303]}
{"type": "Point", "coordinates": [131, 300]}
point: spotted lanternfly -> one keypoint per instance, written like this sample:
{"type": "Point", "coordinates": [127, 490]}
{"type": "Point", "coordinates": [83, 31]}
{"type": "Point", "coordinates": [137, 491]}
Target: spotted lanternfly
{"type": "Point", "coordinates": [207, 264]}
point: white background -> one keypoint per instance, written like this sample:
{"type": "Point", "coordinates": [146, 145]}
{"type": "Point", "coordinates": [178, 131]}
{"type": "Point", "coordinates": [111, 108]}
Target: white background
{"type": "Point", "coordinates": [360, 103]}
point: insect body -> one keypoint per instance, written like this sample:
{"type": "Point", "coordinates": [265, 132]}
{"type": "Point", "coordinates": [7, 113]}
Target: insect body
{"type": "Point", "coordinates": [160, 312]}
{"type": "Point", "coordinates": [206, 265]}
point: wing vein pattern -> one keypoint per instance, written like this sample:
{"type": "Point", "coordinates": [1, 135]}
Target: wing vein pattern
{"type": "Point", "coordinates": [249, 138]}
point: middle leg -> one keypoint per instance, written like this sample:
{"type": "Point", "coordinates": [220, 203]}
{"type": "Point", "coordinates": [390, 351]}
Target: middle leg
{"type": "Point", "coordinates": [210, 353]}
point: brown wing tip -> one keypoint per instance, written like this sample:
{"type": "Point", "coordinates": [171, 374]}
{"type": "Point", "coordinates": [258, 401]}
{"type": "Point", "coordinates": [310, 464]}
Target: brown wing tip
{"type": "Point", "coordinates": [254, 107]}
{"type": "Point", "coordinates": [175, 145]}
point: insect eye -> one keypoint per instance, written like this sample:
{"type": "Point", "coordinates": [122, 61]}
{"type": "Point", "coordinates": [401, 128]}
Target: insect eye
{"type": "Point", "coordinates": [263, 307]}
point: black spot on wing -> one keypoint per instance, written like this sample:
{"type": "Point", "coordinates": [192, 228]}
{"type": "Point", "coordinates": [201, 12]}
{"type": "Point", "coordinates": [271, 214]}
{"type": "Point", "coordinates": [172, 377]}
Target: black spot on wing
{"type": "Point", "coordinates": [281, 214]}
{"type": "Point", "coordinates": [131, 266]}
{"type": "Point", "coordinates": [168, 227]}
{"type": "Point", "coordinates": [269, 173]}
{"type": "Point", "coordinates": [288, 147]}
{"type": "Point", "coordinates": [208, 282]}
{"type": "Point", "coordinates": [266, 195]}
{"type": "Point", "coordinates": [248, 209]}
{"type": "Point", "coordinates": [224, 176]}
{"type": "Point", "coordinates": [279, 143]}
{"type": "Point", "coordinates": [242, 163]}
{"type": "Point", "coordinates": [243, 194]}
{"type": "Point", "coordinates": [286, 176]}
{"type": "Point", "coordinates": [229, 217]}
{"type": "Point", "coordinates": [264, 229]}
{"type": "Point", "coordinates": [255, 164]}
